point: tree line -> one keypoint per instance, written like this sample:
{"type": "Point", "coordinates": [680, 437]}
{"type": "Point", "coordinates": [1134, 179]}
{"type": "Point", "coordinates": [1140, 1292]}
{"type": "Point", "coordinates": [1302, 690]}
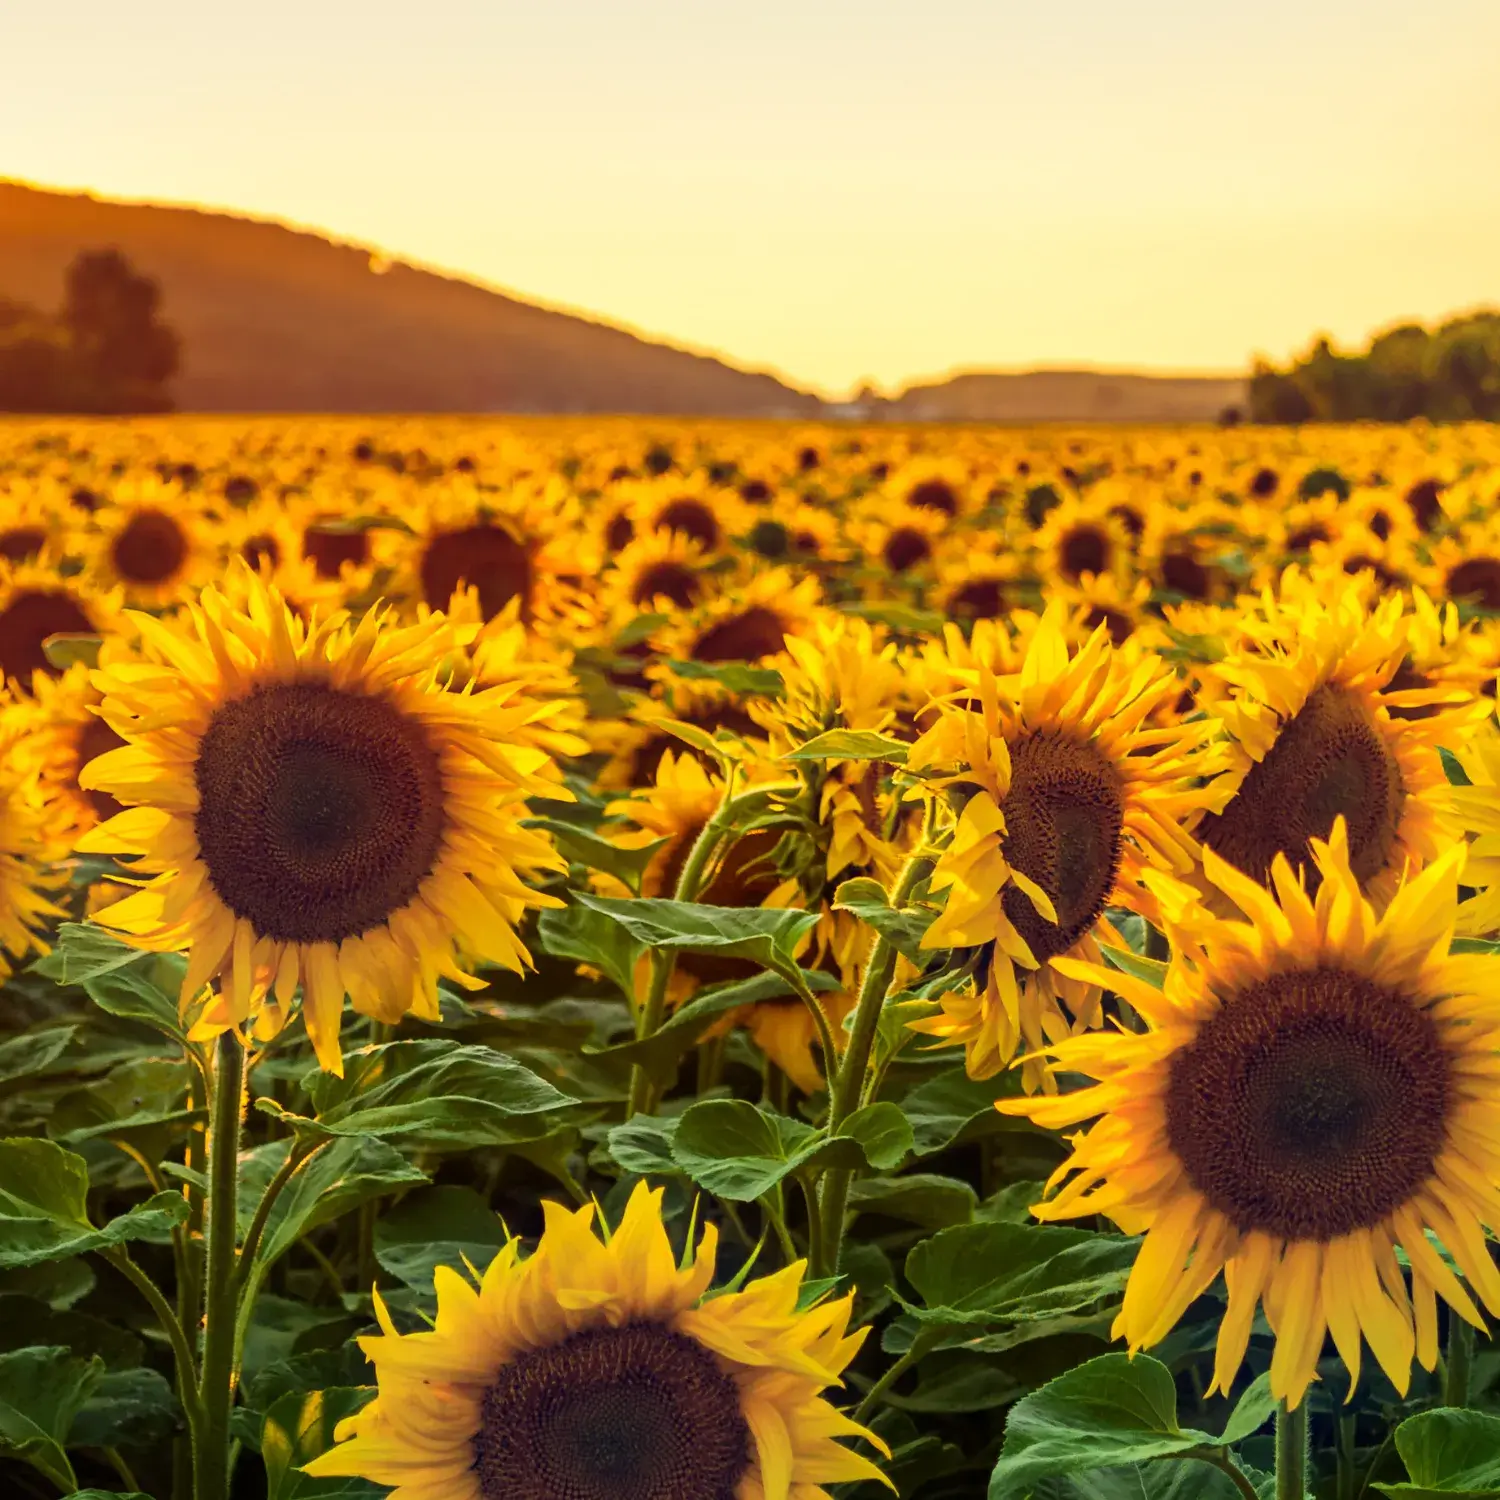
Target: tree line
{"type": "Point", "coordinates": [106, 350]}
{"type": "Point", "coordinates": [1447, 374]}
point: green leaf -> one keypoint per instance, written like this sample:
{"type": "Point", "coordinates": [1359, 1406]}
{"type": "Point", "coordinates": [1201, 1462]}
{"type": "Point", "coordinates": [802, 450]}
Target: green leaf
{"type": "Point", "coordinates": [26, 1056]}
{"type": "Point", "coordinates": [933, 1202]}
{"type": "Point", "coordinates": [42, 1390]}
{"type": "Point", "coordinates": [902, 927]}
{"type": "Point", "coordinates": [119, 979]}
{"type": "Point", "coordinates": [643, 1145]}
{"type": "Point", "coordinates": [1113, 1410]}
{"type": "Point", "coordinates": [1150, 970]}
{"type": "Point", "coordinates": [439, 1226]}
{"type": "Point", "coordinates": [585, 847]}
{"type": "Point", "coordinates": [445, 1095]}
{"type": "Point", "coordinates": [764, 935]}
{"type": "Point", "coordinates": [739, 678]}
{"type": "Point", "coordinates": [108, 1495]}
{"type": "Point", "coordinates": [988, 1275]}
{"type": "Point", "coordinates": [142, 1102]}
{"type": "Point", "coordinates": [62, 651]}
{"type": "Point", "coordinates": [127, 1409]}
{"type": "Point", "coordinates": [298, 1428]}
{"type": "Point", "coordinates": [338, 1178]}
{"type": "Point", "coordinates": [953, 1108]}
{"type": "Point", "coordinates": [590, 937]}
{"type": "Point", "coordinates": [883, 1133]}
{"type": "Point", "coordinates": [43, 1213]}
{"type": "Point", "coordinates": [659, 1053]}
{"type": "Point", "coordinates": [851, 744]}
{"type": "Point", "coordinates": [1449, 1452]}
{"type": "Point", "coordinates": [737, 1151]}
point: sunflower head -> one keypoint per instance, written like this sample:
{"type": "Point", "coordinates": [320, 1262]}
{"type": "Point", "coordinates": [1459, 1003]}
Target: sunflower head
{"type": "Point", "coordinates": [316, 810]}
{"type": "Point", "coordinates": [598, 1368]}
{"type": "Point", "coordinates": [1312, 1091]}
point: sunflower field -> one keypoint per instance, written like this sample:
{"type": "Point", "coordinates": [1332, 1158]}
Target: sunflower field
{"type": "Point", "coordinates": [633, 960]}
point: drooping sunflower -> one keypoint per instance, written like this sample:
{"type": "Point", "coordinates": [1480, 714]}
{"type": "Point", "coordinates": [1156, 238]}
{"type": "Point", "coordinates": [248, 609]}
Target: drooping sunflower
{"type": "Point", "coordinates": [1313, 1091]}
{"type": "Point", "coordinates": [1317, 727]}
{"type": "Point", "coordinates": [37, 603]}
{"type": "Point", "coordinates": [1069, 798]}
{"type": "Point", "coordinates": [317, 810]}
{"type": "Point", "coordinates": [598, 1369]}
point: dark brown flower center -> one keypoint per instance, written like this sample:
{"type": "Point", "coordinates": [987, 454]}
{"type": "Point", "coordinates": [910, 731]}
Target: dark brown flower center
{"type": "Point", "coordinates": [619, 532]}
{"type": "Point", "coordinates": [934, 494]}
{"type": "Point", "coordinates": [979, 599]}
{"type": "Point", "coordinates": [1312, 1104]}
{"type": "Point", "coordinates": [1085, 549]}
{"type": "Point", "coordinates": [905, 547]}
{"type": "Point", "coordinates": [330, 550]}
{"type": "Point", "coordinates": [27, 622]}
{"type": "Point", "coordinates": [487, 558]}
{"type": "Point", "coordinates": [666, 580]}
{"type": "Point", "coordinates": [1424, 498]}
{"type": "Point", "coordinates": [1329, 761]}
{"type": "Point", "coordinates": [1064, 823]}
{"type": "Point", "coordinates": [320, 812]}
{"type": "Point", "coordinates": [1183, 574]}
{"type": "Point", "coordinates": [96, 738]}
{"type": "Point", "coordinates": [691, 517]}
{"type": "Point", "coordinates": [751, 635]}
{"type": "Point", "coordinates": [21, 542]}
{"type": "Point", "coordinates": [261, 549]}
{"type": "Point", "coordinates": [1476, 579]}
{"type": "Point", "coordinates": [150, 548]}
{"type": "Point", "coordinates": [633, 1413]}
{"type": "Point", "coordinates": [1121, 627]}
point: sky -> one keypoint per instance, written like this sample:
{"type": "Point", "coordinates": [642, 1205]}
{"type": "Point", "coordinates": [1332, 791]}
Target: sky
{"type": "Point", "coordinates": [836, 190]}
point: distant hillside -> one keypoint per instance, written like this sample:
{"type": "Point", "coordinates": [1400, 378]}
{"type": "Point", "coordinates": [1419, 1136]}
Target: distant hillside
{"type": "Point", "coordinates": [1067, 396]}
{"type": "Point", "coordinates": [275, 319]}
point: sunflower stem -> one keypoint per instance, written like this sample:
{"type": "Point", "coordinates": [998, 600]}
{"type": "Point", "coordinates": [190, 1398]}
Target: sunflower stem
{"type": "Point", "coordinates": [664, 960]}
{"type": "Point", "coordinates": [847, 1086]}
{"type": "Point", "coordinates": [1460, 1362]}
{"type": "Point", "coordinates": [221, 1287]}
{"type": "Point", "coordinates": [1291, 1452]}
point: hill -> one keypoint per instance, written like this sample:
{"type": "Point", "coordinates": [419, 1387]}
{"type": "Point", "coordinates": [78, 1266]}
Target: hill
{"type": "Point", "coordinates": [1067, 396]}
{"type": "Point", "coordinates": [277, 319]}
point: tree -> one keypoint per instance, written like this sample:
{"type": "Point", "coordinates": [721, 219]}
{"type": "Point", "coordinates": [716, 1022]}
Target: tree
{"type": "Point", "coordinates": [106, 351]}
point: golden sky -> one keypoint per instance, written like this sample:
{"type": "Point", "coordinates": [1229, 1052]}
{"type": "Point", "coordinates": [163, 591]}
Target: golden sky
{"type": "Point", "coordinates": [887, 189]}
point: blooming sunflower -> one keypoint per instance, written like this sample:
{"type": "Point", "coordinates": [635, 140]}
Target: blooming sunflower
{"type": "Point", "coordinates": [63, 734]}
{"type": "Point", "coordinates": [599, 1369]}
{"type": "Point", "coordinates": [28, 845]}
{"type": "Point", "coordinates": [316, 810]}
{"type": "Point", "coordinates": [1083, 539]}
{"type": "Point", "coordinates": [1314, 1089]}
{"type": "Point", "coordinates": [37, 603]}
{"type": "Point", "coordinates": [150, 542]}
{"type": "Point", "coordinates": [1070, 798]}
{"type": "Point", "coordinates": [1309, 705]}
{"type": "Point", "coordinates": [748, 619]}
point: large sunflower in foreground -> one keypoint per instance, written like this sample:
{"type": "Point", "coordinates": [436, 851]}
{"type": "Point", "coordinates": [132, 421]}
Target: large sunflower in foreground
{"type": "Point", "coordinates": [317, 810]}
{"type": "Point", "coordinates": [1070, 797]}
{"type": "Point", "coordinates": [1318, 727]}
{"type": "Point", "coordinates": [1314, 1091]}
{"type": "Point", "coordinates": [597, 1369]}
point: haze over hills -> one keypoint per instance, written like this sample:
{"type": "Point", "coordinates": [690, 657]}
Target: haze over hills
{"type": "Point", "coordinates": [279, 319]}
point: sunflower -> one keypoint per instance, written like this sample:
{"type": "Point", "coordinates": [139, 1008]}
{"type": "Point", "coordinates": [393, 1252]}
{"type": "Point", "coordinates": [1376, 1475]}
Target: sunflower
{"type": "Point", "coordinates": [895, 540]}
{"type": "Point", "coordinates": [63, 734]}
{"type": "Point", "coordinates": [1069, 799]}
{"type": "Point", "coordinates": [29, 844]}
{"type": "Point", "coordinates": [317, 810]}
{"type": "Point", "coordinates": [939, 485]}
{"type": "Point", "coordinates": [37, 603]}
{"type": "Point", "coordinates": [1465, 567]}
{"type": "Point", "coordinates": [661, 571]}
{"type": "Point", "coordinates": [1082, 539]}
{"type": "Point", "coordinates": [1309, 704]}
{"type": "Point", "coordinates": [598, 1368]}
{"type": "Point", "coordinates": [749, 619]}
{"type": "Point", "coordinates": [34, 520]}
{"type": "Point", "coordinates": [523, 545]}
{"type": "Point", "coordinates": [150, 542]}
{"type": "Point", "coordinates": [1313, 1091]}
{"type": "Point", "coordinates": [688, 505]}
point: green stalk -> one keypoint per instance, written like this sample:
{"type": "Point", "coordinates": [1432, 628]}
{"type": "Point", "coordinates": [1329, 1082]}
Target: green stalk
{"type": "Point", "coordinates": [1291, 1452]}
{"type": "Point", "coordinates": [664, 960]}
{"type": "Point", "coordinates": [846, 1088]}
{"type": "Point", "coordinates": [221, 1287]}
{"type": "Point", "coordinates": [1460, 1362]}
